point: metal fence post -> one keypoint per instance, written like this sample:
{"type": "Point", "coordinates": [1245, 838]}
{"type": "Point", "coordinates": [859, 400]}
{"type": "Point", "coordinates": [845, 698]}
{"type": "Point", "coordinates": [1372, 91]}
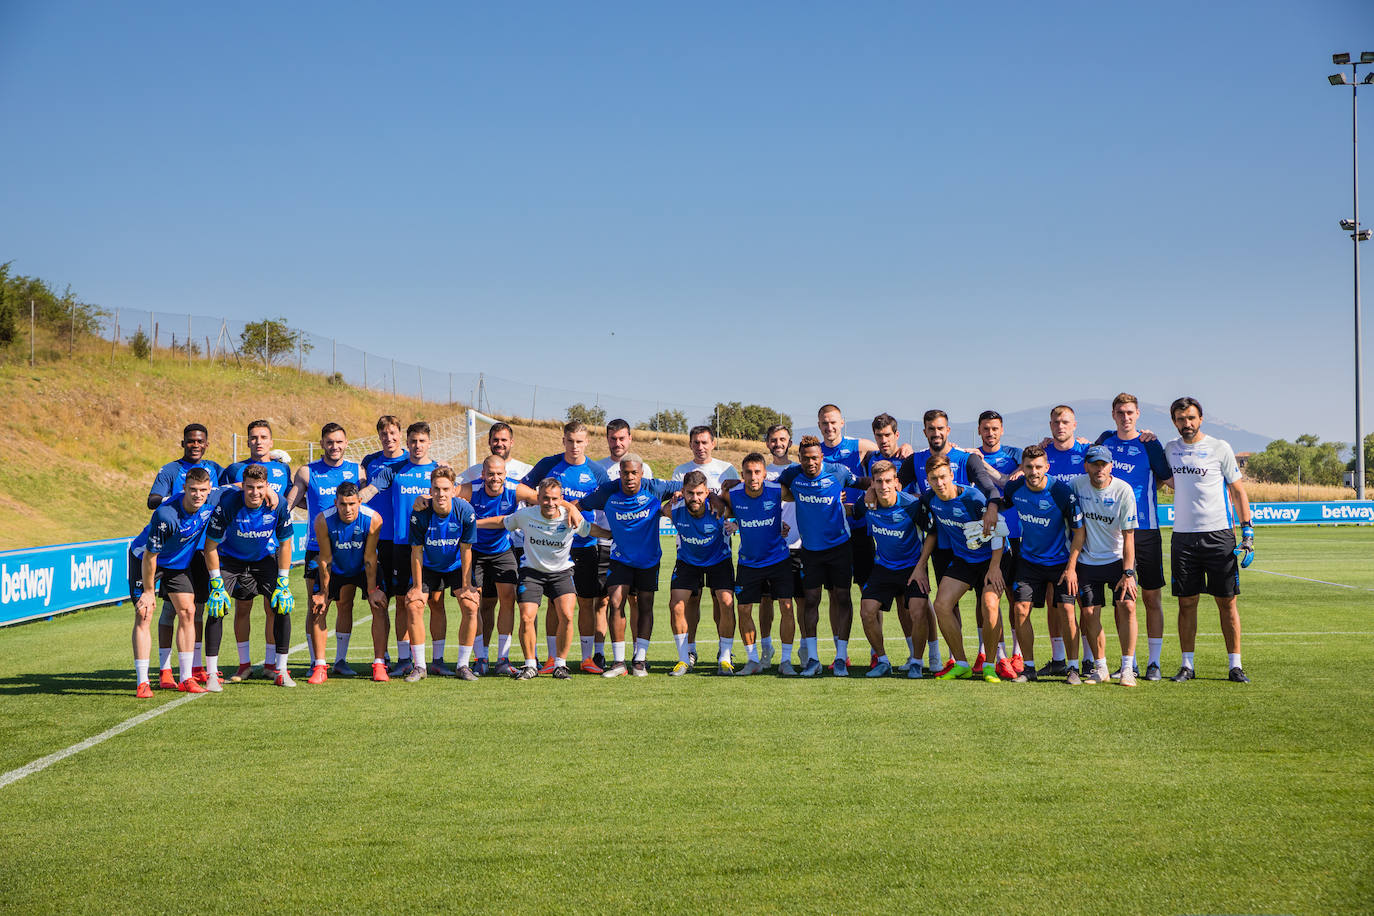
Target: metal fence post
{"type": "Point", "coordinates": [31, 330]}
{"type": "Point", "coordinates": [114, 341]}
{"type": "Point", "coordinates": [236, 448]}
{"type": "Point", "coordinates": [266, 340]}
{"type": "Point", "coordinates": [188, 341]}
{"type": "Point", "coordinates": [364, 368]}
{"type": "Point", "coordinates": [420, 373]}
{"type": "Point", "coordinates": [334, 357]}
{"type": "Point", "coordinates": [393, 379]}
{"type": "Point", "coordinates": [152, 327]}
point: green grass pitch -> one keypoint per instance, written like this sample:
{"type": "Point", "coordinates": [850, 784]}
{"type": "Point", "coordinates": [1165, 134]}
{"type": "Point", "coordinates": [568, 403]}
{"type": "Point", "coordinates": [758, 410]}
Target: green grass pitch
{"type": "Point", "coordinates": [706, 794]}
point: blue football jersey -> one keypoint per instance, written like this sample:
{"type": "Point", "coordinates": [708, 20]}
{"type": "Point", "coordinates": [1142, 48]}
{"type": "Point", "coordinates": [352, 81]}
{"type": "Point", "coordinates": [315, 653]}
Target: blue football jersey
{"type": "Point", "coordinates": [248, 534]}
{"type": "Point", "coordinates": [820, 504]}
{"type": "Point", "coordinates": [951, 516]}
{"type": "Point", "coordinates": [632, 519]}
{"type": "Point", "coordinates": [1048, 518]}
{"type": "Point", "coordinates": [319, 493]}
{"type": "Point", "coordinates": [700, 541]}
{"type": "Point", "coordinates": [1142, 465]}
{"type": "Point", "coordinates": [440, 536]}
{"type": "Point", "coordinates": [493, 540]}
{"type": "Point", "coordinates": [278, 474]}
{"type": "Point", "coordinates": [1067, 464]}
{"type": "Point", "coordinates": [761, 542]}
{"type": "Point", "coordinates": [381, 503]}
{"type": "Point", "coordinates": [899, 531]}
{"type": "Point", "coordinates": [171, 477]}
{"type": "Point", "coordinates": [175, 534]}
{"type": "Point", "coordinates": [578, 481]}
{"type": "Point", "coordinates": [347, 540]}
{"type": "Point", "coordinates": [1005, 460]}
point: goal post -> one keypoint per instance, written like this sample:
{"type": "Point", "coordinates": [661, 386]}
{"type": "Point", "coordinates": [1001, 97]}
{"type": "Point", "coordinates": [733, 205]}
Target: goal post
{"type": "Point", "coordinates": [478, 423]}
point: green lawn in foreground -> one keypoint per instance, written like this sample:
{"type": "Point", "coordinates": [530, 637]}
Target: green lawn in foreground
{"type": "Point", "coordinates": [703, 794]}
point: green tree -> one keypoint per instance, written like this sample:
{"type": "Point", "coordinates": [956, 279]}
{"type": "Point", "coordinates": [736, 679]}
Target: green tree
{"type": "Point", "coordinates": [272, 341]}
{"type": "Point", "coordinates": [8, 328]}
{"type": "Point", "coordinates": [140, 345]}
{"type": "Point", "coordinates": [63, 312]}
{"type": "Point", "coordinates": [1307, 459]}
{"type": "Point", "coordinates": [747, 421]}
{"type": "Point", "coordinates": [666, 421]}
{"type": "Point", "coordinates": [592, 416]}
{"type": "Point", "coordinates": [1368, 461]}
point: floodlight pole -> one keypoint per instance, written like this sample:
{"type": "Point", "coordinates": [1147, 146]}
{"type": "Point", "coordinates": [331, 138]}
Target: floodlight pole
{"type": "Point", "coordinates": [1355, 240]}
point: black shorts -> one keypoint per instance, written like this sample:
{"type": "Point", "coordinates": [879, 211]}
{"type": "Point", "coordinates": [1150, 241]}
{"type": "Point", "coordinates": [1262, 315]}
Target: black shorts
{"type": "Point", "coordinates": [434, 580]}
{"type": "Point", "coordinates": [971, 574]}
{"type": "Point", "coordinates": [776, 581]}
{"type": "Point", "coordinates": [1011, 549]}
{"type": "Point", "coordinates": [831, 568]}
{"type": "Point", "coordinates": [1202, 562]}
{"type": "Point", "coordinates": [638, 580]}
{"type": "Point", "coordinates": [135, 577]}
{"type": "Point", "coordinates": [795, 564]}
{"type": "Point", "coordinates": [312, 567]}
{"type": "Point", "coordinates": [1095, 583]}
{"type": "Point", "coordinates": [940, 558]}
{"type": "Point", "coordinates": [536, 585]}
{"type": "Point", "coordinates": [397, 566]}
{"type": "Point", "coordinates": [245, 580]}
{"type": "Point", "coordinates": [1033, 579]}
{"type": "Point", "coordinates": [490, 569]}
{"type": "Point", "coordinates": [193, 580]}
{"type": "Point", "coordinates": [337, 582]}
{"type": "Point", "coordinates": [591, 565]}
{"type": "Point", "coordinates": [861, 553]}
{"type": "Point", "coordinates": [1149, 558]}
{"type": "Point", "coordinates": [887, 585]}
{"type": "Point", "coordinates": [690, 576]}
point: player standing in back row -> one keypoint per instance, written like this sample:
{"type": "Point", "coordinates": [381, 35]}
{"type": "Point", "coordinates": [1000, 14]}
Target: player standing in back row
{"type": "Point", "coordinates": [1203, 552]}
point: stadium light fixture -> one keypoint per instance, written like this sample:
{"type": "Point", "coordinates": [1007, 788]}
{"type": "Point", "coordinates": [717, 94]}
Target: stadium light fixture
{"type": "Point", "coordinates": [1357, 235]}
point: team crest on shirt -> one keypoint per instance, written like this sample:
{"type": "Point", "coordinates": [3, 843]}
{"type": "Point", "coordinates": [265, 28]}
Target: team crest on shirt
{"type": "Point", "coordinates": [1044, 504]}
{"type": "Point", "coordinates": [769, 505]}
{"type": "Point", "coordinates": [1108, 501]}
{"type": "Point", "coordinates": [1132, 450]}
{"type": "Point", "coordinates": [584, 477]}
{"type": "Point", "coordinates": [958, 511]}
{"type": "Point", "coordinates": [348, 474]}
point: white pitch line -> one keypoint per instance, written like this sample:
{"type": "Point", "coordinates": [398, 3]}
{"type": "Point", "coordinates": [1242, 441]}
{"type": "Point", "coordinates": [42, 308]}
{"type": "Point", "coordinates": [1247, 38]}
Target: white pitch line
{"type": "Point", "coordinates": [42, 763]}
{"type": "Point", "coordinates": [1354, 588]}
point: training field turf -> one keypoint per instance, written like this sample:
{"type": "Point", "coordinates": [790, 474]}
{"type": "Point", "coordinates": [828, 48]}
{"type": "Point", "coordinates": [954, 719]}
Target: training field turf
{"type": "Point", "coordinates": [702, 794]}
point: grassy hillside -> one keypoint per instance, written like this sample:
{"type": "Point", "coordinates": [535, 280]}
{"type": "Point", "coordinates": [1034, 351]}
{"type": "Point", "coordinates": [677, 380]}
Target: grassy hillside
{"type": "Point", "coordinates": [85, 436]}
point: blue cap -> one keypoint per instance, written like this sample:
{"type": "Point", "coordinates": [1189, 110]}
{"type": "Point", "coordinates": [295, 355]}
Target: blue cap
{"type": "Point", "coordinates": [1098, 453]}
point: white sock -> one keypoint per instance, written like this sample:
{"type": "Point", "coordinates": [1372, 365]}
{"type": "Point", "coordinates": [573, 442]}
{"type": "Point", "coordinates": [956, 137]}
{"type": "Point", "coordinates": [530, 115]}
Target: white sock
{"type": "Point", "coordinates": [910, 648]}
{"type": "Point", "coordinates": [841, 648]}
{"type": "Point", "coordinates": [503, 645]}
{"type": "Point", "coordinates": [587, 650]}
{"type": "Point", "coordinates": [753, 652]}
{"type": "Point", "coordinates": [281, 662]}
{"type": "Point", "coordinates": [726, 645]}
{"type": "Point", "coordinates": [1156, 647]}
{"type": "Point", "coordinates": [1001, 650]}
{"type": "Point", "coordinates": [530, 663]}
{"type": "Point", "coordinates": [641, 649]}
{"type": "Point", "coordinates": [767, 645]}
{"type": "Point", "coordinates": [553, 646]}
{"type": "Point", "coordinates": [184, 659]}
{"type": "Point", "coordinates": [933, 654]}
{"type": "Point", "coordinates": [341, 646]}
{"type": "Point", "coordinates": [212, 664]}
{"type": "Point", "coordinates": [417, 655]}
{"type": "Point", "coordinates": [465, 653]}
{"type": "Point", "coordinates": [403, 650]}
{"type": "Point", "coordinates": [560, 662]}
{"type": "Point", "coordinates": [1057, 652]}
{"type": "Point", "coordinates": [1232, 659]}
{"type": "Point", "coordinates": [618, 651]}
{"type": "Point", "coordinates": [437, 650]}
{"type": "Point", "coordinates": [1127, 663]}
{"type": "Point", "coordinates": [141, 670]}
{"type": "Point", "coordinates": [680, 639]}
{"type": "Point", "coordinates": [809, 644]}
{"type": "Point", "coordinates": [198, 662]}
{"type": "Point", "coordinates": [271, 656]}
{"type": "Point", "coordinates": [1187, 659]}
{"type": "Point", "coordinates": [980, 640]}
{"type": "Point", "coordinates": [479, 646]}
{"type": "Point", "coordinates": [787, 651]}
{"type": "Point", "coordinates": [1101, 666]}
{"type": "Point", "coordinates": [164, 658]}
{"type": "Point", "coordinates": [379, 661]}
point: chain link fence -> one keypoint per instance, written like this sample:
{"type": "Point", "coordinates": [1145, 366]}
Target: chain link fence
{"type": "Point", "coordinates": [271, 344]}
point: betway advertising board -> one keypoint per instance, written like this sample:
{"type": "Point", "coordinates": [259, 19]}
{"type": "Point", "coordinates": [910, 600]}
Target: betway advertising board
{"type": "Point", "coordinates": [41, 581]}
{"type": "Point", "coordinates": [38, 582]}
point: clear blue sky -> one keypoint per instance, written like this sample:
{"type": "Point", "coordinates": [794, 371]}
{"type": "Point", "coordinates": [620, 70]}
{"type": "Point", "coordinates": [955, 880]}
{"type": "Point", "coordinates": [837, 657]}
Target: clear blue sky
{"type": "Point", "coordinates": [880, 197]}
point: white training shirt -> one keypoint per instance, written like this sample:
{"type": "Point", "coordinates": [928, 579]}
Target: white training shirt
{"type": "Point", "coordinates": [548, 542]}
{"type": "Point", "coordinates": [515, 472]}
{"type": "Point", "coordinates": [789, 509]}
{"type": "Point", "coordinates": [1201, 472]}
{"type": "Point", "coordinates": [1106, 513]}
{"type": "Point", "coordinates": [612, 469]}
{"type": "Point", "coordinates": [718, 471]}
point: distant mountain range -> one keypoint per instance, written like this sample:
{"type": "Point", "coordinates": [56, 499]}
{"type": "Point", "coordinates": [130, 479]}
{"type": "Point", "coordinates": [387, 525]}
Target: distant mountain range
{"type": "Point", "coordinates": [1033, 424]}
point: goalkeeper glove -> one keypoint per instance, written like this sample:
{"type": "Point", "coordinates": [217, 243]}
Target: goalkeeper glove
{"type": "Point", "coordinates": [218, 603]}
{"type": "Point", "coordinates": [1246, 551]}
{"type": "Point", "coordinates": [283, 602]}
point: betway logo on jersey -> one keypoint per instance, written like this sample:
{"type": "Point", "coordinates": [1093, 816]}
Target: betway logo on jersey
{"type": "Point", "coordinates": [251, 533]}
{"type": "Point", "coordinates": [26, 583]}
{"type": "Point", "coordinates": [407, 489]}
{"type": "Point", "coordinates": [92, 573]}
{"type": "Point", "coordinates": [885, 532]}
{"type": "Point", "coordinates": [349, 545]}
{"type": "Point", "coordinates": [543, 542]}
{"type": "Point", "coordinates": [1104, 519]}
{"type": "Point", "coordinates": [634, 514]}
{"type": "Point", "coordinates": [757, 522]}
{"type": "Point", "coordinates": [809, 498]}
{"type": "Point", "coordinates": [442, 542]}
{"type": "Point", "coordinates": [1120, 465]}
{"type": "Point", "coordinates": [697, 541]}
{"type": "Point", "coordinates": [1037, 520]}
{"type": "Point", "coordinates": [1189, 469]}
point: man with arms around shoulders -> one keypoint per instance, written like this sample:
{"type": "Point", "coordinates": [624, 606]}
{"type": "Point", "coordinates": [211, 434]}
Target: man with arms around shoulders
{"type": "Point", "coordinates": [765, 562]}
{"type": "Point", "coordinates": [1105, 561]}
{"type": "Point", "coordinates": [347, 534]}
{"type": "Point", "coordinates": [898, 523]}
{"type": "Point", "coordinates": [720, 474]}
{"type": "Point", "coordinates": [441, 536]}
{"type": "Point", "coordinates": [703, 557]}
